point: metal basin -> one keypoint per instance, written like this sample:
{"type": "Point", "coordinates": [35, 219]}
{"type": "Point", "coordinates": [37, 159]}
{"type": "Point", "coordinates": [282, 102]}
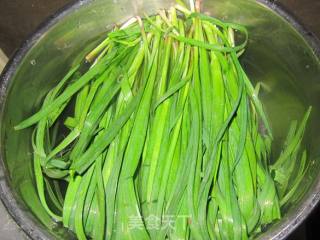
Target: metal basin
{"type": "Point", "coordinates": [281, 54]}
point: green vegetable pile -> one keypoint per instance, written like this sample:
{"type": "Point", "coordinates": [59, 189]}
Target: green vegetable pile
{"type": "Point", "coordinates": [159, 134]}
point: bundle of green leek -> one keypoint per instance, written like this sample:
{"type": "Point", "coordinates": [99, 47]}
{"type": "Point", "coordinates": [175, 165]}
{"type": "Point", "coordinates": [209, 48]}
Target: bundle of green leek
{"type": "Point", "coordinates": [164, 137]}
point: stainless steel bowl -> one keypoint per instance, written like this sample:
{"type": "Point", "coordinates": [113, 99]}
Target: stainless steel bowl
{"type": "Point", "coordinates": [280, 53]}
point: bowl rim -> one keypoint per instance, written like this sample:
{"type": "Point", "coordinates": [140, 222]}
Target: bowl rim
{"type": "Point", "coordinates": [30, 225]}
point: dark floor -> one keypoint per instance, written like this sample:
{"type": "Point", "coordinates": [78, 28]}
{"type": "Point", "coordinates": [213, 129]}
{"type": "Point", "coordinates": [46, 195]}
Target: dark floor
{"type": "Point", "coordinates": [19, 18]}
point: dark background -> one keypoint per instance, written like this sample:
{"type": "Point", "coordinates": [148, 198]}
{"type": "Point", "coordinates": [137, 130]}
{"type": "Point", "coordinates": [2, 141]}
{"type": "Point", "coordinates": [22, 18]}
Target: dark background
{"type": "Point", "coordinates": [19, 18]}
